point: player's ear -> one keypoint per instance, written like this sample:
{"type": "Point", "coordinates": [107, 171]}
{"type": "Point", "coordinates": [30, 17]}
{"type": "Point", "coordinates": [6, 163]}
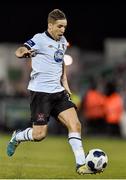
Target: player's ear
{"type": "Point", "coordinates": [50, 25]}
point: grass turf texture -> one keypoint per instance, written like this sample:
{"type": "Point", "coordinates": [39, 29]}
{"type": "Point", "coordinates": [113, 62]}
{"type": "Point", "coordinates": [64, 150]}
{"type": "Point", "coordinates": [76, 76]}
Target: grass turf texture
{"type": "Point", "coordinates": [53, 159]}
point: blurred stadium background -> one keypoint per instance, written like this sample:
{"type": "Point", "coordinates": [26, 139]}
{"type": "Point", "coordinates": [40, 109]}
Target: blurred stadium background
{"type": "Point", "coordinates": [97, 44]}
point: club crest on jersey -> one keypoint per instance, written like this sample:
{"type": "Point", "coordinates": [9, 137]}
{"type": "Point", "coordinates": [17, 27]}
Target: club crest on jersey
{"type": "Point", "coordinates": [58, 56]}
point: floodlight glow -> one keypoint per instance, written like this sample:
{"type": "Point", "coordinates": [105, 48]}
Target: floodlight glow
{"type": "Point", "coordinates": [68, 59]}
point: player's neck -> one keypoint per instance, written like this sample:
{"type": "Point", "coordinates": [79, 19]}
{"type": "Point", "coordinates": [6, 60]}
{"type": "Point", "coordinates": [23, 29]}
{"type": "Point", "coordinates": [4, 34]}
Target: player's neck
{"type": "Point", "coordinates": [49, 35]}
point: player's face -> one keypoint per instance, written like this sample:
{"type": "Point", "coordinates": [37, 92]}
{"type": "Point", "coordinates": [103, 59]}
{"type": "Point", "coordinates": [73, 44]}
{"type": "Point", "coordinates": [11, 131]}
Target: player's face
{"type": "Point", "coordinates": [58, 28]}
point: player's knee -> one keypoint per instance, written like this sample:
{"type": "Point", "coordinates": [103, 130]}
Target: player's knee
{"type": "Point", "coordinates": [39, 136]}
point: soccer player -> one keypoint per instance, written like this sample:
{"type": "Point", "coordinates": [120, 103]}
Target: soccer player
{"type": "Point", "coordinates": [49, 89]}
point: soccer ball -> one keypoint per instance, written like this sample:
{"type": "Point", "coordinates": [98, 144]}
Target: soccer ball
{"type": "Point", "coordinates": [96, 160]}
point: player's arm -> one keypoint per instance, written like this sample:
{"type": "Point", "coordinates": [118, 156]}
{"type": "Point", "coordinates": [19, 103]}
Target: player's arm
{"type": "Point", "coordinates": [64, 80]}
{"type": "Point", "coordinates": [23, 52]}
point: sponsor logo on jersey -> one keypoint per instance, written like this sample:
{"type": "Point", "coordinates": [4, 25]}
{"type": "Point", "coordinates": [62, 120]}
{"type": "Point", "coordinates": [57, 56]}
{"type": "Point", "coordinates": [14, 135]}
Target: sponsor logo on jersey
{"type": "Point", "coordinates": [58, 56]}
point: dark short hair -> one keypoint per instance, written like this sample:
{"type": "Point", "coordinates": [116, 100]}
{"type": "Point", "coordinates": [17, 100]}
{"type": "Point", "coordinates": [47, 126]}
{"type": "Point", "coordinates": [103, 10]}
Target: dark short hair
{"type": "Point", "coordinates": [55, 15]}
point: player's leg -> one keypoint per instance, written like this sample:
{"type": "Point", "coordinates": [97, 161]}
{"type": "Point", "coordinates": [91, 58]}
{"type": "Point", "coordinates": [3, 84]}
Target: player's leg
{"type": "Point", "coordinates": [65, 111]}
{"type": "Point", "coordinates": [37, 133]}
{"type": "Point", "coordinates": [39, 115]}
{"type": "Point", "coordinates": [70, 119]}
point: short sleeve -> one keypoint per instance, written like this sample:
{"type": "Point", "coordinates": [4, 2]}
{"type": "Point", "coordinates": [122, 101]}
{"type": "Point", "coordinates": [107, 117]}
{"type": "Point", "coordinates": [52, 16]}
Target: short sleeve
{"type": "Point", "coordinates": [34, 42]}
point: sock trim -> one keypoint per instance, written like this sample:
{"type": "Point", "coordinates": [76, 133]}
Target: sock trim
{"type": "Point", "coordinates": [28, 134]}
{"type": "Point", "coordinates": [74, 138]}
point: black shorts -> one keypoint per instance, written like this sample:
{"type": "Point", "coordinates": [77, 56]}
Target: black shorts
{"type": "Point", "coordinates": [43, 105]}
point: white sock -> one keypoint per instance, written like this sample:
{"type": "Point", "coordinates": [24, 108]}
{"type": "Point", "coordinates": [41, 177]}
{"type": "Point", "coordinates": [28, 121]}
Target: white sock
{"type": "Point", "coordinates": [76, 144]}
{"type": "Point", "coordinates": [25, 135]}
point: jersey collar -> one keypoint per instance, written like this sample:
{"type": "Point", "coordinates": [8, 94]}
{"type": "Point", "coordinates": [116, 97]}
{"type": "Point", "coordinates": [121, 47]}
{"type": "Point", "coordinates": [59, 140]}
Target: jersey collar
{"type": "Point", "coordinates": [47, 33]}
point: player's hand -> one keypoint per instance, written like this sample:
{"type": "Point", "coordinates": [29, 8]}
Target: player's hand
{"type": "Point", "coordinates": [23, 52]}
{"type": "Point", "coordinates": [29, 53]}
{"type": "Point", "coordinates": [69, 92]}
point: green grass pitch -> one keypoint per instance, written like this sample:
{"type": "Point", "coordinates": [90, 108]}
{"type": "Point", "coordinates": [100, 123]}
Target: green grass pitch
{"type": "Point", "coordinates": [53, 159]}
